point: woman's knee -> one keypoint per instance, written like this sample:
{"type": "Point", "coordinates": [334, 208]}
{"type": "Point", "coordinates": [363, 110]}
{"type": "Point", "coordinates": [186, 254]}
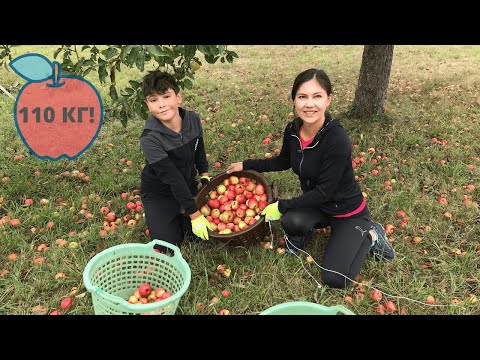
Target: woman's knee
{"type": "Point", "coordinates": [293, 223]}
{"type": "Point", "coordinates": [334, 280]}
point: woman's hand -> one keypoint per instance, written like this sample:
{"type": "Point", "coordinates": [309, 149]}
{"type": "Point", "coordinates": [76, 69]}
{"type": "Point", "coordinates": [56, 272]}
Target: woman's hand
{"type": "Point", "coordinates": [238, 166]}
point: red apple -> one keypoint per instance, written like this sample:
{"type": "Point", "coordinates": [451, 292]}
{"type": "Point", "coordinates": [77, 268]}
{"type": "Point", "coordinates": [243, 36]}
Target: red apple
{"type": "Point", "coordinates": [144, 290]}
{"type": "Point", "coordinates": [376, 295]}
{"type": "Point", "coordinates": [66, 303]}
{"type": "Point", "coordinates": [259, 189]}
{"type": "Point", "coordinates": [223, 199]}
{"type": "Point", "coordinates": [215, 214]}
{"type": "Point", "coordinates": [159, 292]}
{"type": "Point", "coordinates": [389, 229]}
{"type": "Point", "coordinates": [234, 205]}
{"type": "Point", "coordinates": [239, 189]}
{"type": "Point", "coordinates": [390, 306]}
{"type": "Point", "coordinates": [241, 199]}
{"type": "Point", "coordinates": [205, 210]}
{"type": "Point", "coordinates": [252, 203]}
{"type": "Point", "coordinates": [166, 295]}
{"type": "Point", "coordinates": [226, 293]}
{"type": "Point", "coordinates": [250, 186]}
{"type": "Point", "coordinates": [214, 203]}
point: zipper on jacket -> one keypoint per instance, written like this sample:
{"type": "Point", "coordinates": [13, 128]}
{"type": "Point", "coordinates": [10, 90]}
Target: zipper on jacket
{"type": "Point", "coordinates": [300, 151]}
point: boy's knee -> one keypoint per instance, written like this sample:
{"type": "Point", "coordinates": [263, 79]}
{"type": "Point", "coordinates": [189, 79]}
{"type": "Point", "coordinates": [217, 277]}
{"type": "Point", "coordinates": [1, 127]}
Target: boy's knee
{"type": "Point", "coordinates": [334, 280]}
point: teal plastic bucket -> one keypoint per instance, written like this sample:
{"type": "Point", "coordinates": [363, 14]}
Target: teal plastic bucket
{"type": "Point", "coordinates": [305, 308]}
{"type": "Point", "coordinates": [114, 274]}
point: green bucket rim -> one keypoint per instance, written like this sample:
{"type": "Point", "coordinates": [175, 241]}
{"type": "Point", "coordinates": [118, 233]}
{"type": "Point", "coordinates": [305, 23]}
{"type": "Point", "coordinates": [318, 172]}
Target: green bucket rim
{"type": "Point", "coordinates": [307, 308]}
{"type": "Point", "coordinates": [131, 246]}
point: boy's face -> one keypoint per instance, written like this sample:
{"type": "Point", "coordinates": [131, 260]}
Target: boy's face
{"type": "Point", "coordinates": [164, 106]}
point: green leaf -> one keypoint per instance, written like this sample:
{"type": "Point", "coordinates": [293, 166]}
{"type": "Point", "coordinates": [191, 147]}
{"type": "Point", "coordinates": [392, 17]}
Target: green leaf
{"type": "Point", "coordinates": [55, 54]}
{"type": "Point", "coordinates": [125, 51]}
{"type": "Point", "coordinates": [113, 92]}
{"type": "Point", "coordinates": [102, 72]}
{"type": "Point", "coordinates": [132, 56]}
{"type": "Point", "coordinates": [210, 58]}
{"type": "Point", "coordinates": [134, 84]}
{"type": "Point", "coordinates": [140, 60]}
{"type": "Point", "coordinates": [123, 118]}
{"type": "Point", "coordinates": [128, 91]}
{"type": "Point", "coordinates": [187, 83]}
{"type": "Point", "coordinates": [109, 52]}
{"type": "Point", "coordinates": [157, 50]}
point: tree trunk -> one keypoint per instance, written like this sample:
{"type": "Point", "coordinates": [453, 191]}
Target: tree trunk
{"type": "Point", "coordinates": [373, 81]}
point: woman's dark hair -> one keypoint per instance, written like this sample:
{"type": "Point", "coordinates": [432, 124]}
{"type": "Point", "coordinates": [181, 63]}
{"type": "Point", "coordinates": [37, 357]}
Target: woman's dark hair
{"type": "Point", "coordinates": [158, 82]}
{"type": "Point", "coordinates": [310, 74]}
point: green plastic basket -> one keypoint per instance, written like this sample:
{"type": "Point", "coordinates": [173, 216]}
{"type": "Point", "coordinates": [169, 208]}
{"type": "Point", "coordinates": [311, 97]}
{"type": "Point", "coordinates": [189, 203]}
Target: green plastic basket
{"type": "Point", "coordinates": [114, 274]}
{"type": "Point", "coordinates": [305, 308]}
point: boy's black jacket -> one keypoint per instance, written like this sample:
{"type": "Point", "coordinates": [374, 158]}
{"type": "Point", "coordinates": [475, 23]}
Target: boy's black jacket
{"type": "Point", "coordinates": [324, 169]}
{"type": "Point", "coordinates": [172, 159]}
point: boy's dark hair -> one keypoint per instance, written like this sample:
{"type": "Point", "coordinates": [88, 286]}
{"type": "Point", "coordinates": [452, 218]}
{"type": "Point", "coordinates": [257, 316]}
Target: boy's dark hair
{"type": "Point", "coordinates": [158, 82]}
{"type": "Point", "coordinates": [310, 74]}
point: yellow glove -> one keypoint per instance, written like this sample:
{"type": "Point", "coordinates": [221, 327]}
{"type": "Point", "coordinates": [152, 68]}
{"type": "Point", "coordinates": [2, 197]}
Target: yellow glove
{"type": "Point", "coordinates": [205, 180]}
{"type": "Point", "coordinates": [200, 226]}
{"type": "Point", "coordinates": [271, 212]}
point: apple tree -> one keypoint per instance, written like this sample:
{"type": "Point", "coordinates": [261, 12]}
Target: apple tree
{"type": "Point", "coordinates": [181, 60]}
{"type": "Point", "coordinates": [373, 81]}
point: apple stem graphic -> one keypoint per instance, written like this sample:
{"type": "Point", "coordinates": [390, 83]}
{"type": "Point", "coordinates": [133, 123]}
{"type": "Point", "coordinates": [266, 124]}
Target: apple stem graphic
{"type": "Point", "coordinates": [56, 75]}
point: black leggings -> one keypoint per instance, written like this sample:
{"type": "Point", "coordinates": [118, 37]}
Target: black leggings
{"type": "Point", "coordinates": [164, 220]}
{"type": "Point", "coordinates": [347, 248]}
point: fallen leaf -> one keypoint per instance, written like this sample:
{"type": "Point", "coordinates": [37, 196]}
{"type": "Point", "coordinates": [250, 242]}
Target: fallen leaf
{"type": "Point", "coordinates": [82, 295]}
{"type": "Point", "coordinates": [39, 310]}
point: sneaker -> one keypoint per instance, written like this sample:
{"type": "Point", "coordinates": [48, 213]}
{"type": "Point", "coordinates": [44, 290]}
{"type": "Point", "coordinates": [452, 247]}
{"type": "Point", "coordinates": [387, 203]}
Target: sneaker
{"type": "Point", "coordinates": [381, 245]}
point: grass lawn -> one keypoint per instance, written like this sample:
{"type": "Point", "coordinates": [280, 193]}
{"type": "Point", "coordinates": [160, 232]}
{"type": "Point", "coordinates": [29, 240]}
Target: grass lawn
{"type": "Point", "coordinates": [433, 94]}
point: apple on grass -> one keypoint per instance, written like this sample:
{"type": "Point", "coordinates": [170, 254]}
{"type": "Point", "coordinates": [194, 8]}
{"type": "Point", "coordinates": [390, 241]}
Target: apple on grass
{"type": "Point", "coordinates": [66, 303]}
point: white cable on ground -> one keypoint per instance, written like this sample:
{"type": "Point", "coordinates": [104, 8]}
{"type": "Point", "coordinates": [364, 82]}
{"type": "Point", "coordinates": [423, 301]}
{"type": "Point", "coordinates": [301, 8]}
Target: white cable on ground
{"type": "Point", "coordinates": [288, 243]}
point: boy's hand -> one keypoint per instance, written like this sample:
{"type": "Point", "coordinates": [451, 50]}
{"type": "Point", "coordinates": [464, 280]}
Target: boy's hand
{"type": "Point", "coordinates": [200, 226]}
{"type": "Point", "coordinates": [205, 179]}
{"type": "Point", "coordinates": [271, 212]}
{"type": "Point", "coordinates": [238, 166]}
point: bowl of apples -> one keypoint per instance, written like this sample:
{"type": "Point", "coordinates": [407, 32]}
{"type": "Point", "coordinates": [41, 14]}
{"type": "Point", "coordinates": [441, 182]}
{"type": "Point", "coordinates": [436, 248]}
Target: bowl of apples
{"type": "Point", "coordinates": [233, 203]}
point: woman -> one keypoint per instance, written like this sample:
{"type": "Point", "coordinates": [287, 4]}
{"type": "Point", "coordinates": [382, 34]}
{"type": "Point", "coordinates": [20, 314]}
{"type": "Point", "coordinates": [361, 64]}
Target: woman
{"type": "Point", "coordinates": [318, 150]}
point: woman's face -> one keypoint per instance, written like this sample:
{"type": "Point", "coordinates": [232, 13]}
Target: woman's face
{"type": "Point", "coordinates": [311, 101]}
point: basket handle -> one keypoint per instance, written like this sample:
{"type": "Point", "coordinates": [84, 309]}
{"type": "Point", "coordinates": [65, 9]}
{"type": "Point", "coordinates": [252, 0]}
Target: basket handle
{"type": "Point", "coordinates": [117, 300]}
{"type": "Point", "coordinates": [176, 251]}
{"type": "Point", "coordinates": [339, 308]}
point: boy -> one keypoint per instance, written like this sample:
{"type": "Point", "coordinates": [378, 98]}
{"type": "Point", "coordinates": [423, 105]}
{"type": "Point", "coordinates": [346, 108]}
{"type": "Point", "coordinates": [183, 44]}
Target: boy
{"type": "Point", "coordinates": [172, 143]}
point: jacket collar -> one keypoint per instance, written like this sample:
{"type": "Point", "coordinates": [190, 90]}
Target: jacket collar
{"type": "Point", "coordinates": [327, 125]}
